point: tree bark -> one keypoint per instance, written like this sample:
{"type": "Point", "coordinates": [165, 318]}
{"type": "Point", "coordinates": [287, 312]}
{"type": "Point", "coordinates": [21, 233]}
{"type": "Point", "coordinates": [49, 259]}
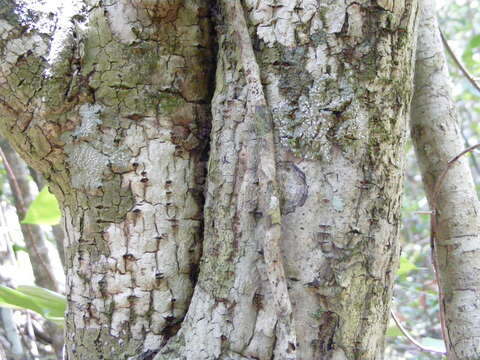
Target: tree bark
{"type": "Point", "coordinates": [437, 140]}
{"type": "Point", "coordinates": [304, 174]}
{"type": "Point", "coordinates": [339, 126]}
{"type": "Point", "coordinates": [116, 122]}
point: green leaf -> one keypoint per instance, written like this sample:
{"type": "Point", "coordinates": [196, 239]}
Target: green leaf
{"type": "Point", "coordinates": [14, 299]}
{"type": "Point", "coordinates": [47, 303]}
{"type": "Point", "coordinates": [394, 331]}
{"type": "Point", "coordinates": [51, 302]}
{"type": "Point", "coordinates": [406, 266]}
{"type": "Point", "coordinates": [44, 210]}
{"type": "Point", "coordinates": [16, 248]}
{"type": "Point", "coordinates": [474, 42]}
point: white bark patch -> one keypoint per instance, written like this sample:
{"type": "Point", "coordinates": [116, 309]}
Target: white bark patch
{"type": "Point", "coordinates": [87, 165]}
{"type": "Point", "coordinates": [5, 28]}
{"type": "Point", "coordinates": [307, 10]}
{"type": "Point", "coordinates": [317, 60]}
{"type": "Point", "coordinates": [89, 115]}
{"type": "Point", "coordinates": [59, 26]}
{"type": "Point", "coordinates": [18, 47]}
{"type": "Point", "coordinates": [150, 253]}
{"type": "Point", "coordinates": [355, 21]}
{"type": "Point", "coordinates": [122, 16]}
{"type": "Point", "coordinates": [276, 21]}
{"type": "Point", "coordinates": [334, 16]}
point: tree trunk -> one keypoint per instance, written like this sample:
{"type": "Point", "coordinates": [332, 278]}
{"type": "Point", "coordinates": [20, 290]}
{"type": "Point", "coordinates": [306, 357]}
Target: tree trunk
{"type": "Point", "coordinates": [300, 238]}
{"type": "Point", "coordinates": [117, 123]}
{"type": "Point", "coordinates": [437, 140]}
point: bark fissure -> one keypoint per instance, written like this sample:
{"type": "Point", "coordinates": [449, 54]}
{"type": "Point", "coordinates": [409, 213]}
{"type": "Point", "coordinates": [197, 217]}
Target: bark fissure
{"type": "Point", "coordinates": [304, 172]}
{"type": "Point", "coordinates": [337, 219]}
{"type": "Point", "coordinates": [118, 125]}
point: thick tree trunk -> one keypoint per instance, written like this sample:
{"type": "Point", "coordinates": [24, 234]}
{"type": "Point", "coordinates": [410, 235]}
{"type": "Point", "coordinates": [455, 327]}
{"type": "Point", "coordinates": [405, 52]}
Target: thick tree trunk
{"type": "Point", "coordinates": [304, 175]}
{"type": "Point", "coordinates": [338, 103]}
{"type": "Point", "coordinates": [117, 123]}
{"type": "Point", "coordinates": [437, 140]}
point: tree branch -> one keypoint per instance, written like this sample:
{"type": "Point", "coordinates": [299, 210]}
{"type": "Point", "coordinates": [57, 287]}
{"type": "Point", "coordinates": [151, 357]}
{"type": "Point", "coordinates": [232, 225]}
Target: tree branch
{"type": "Point", "coordinates": [457, 61]}
{"type": "Point", "coordinates": [411, 338]}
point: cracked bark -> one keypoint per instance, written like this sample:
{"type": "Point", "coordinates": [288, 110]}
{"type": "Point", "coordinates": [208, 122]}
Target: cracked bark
{"type": "Point", "coordinates": [437, 140]}
{"type": "Point", "coordinates": [304, 172]}
{"type": "Point", "coordinates": [338, 105]}
{"type": "Point", "coordinates": [116, 122]}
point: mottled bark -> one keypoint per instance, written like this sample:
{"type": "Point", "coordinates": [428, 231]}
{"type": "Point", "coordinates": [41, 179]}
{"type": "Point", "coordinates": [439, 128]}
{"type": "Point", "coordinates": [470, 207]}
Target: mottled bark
{"type": "Point", "coordinates": [116, 121]}
{"type": "Point", "coordinates": [59, 237]}
{"type": "Point", "coordinates": [334, 80]}
{"type": "Point", "coordinates": [304, 174]}
{"type": "Point", "coordinates": [437, 140]}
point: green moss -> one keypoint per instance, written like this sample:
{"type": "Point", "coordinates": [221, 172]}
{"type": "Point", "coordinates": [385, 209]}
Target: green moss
{"type": "Point", "coordinates": [105, 345]}
{"type": "Point", "coordinates": [168, 103]}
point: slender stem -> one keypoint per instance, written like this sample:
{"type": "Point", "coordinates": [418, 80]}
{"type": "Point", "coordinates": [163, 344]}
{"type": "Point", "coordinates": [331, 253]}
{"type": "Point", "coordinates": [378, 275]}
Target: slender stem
{"type": "Point", "coordinates": [412, 339]}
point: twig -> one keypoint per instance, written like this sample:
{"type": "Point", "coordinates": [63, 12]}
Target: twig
{"type": "Point", "coordinates": [457, 61]}
{"type": "Point", "coordinates": [444, 173]}
{"type": "Point", "coordinates": [412, 339]}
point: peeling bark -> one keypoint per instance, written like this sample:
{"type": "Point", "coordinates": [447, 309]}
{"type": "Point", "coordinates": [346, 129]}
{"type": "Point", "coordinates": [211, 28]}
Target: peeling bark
{"type": "Point", "coordinates": [437, 140]}
{"type": "Point", "coordinates": [335, 81]}
{"type": "Point", "coordinates": [116, 121]}
{"type": "Point", "coordinates": [304, 174]}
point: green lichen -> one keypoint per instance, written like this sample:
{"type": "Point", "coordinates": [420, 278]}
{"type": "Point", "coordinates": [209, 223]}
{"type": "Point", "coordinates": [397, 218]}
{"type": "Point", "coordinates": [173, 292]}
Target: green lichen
{"type": "Point", "coordinates": [168, 103]}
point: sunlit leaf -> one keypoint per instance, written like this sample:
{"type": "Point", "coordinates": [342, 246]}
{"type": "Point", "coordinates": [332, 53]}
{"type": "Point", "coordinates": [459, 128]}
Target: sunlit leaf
{"type": "Point", "coordinates": [474, 42]}
{"type": "Point", "coordinates": [44, 210]}
{"type": "Point", "coordinates": [393, 332]}
{"type": "Point", "coordinates": [406, 266]}
{"type": "Point", "coordinates": [47, 303]}
{"type": "Point", "coordinates": [15, 299]}
{"type": "Point", "coordinates": [52, 303]}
